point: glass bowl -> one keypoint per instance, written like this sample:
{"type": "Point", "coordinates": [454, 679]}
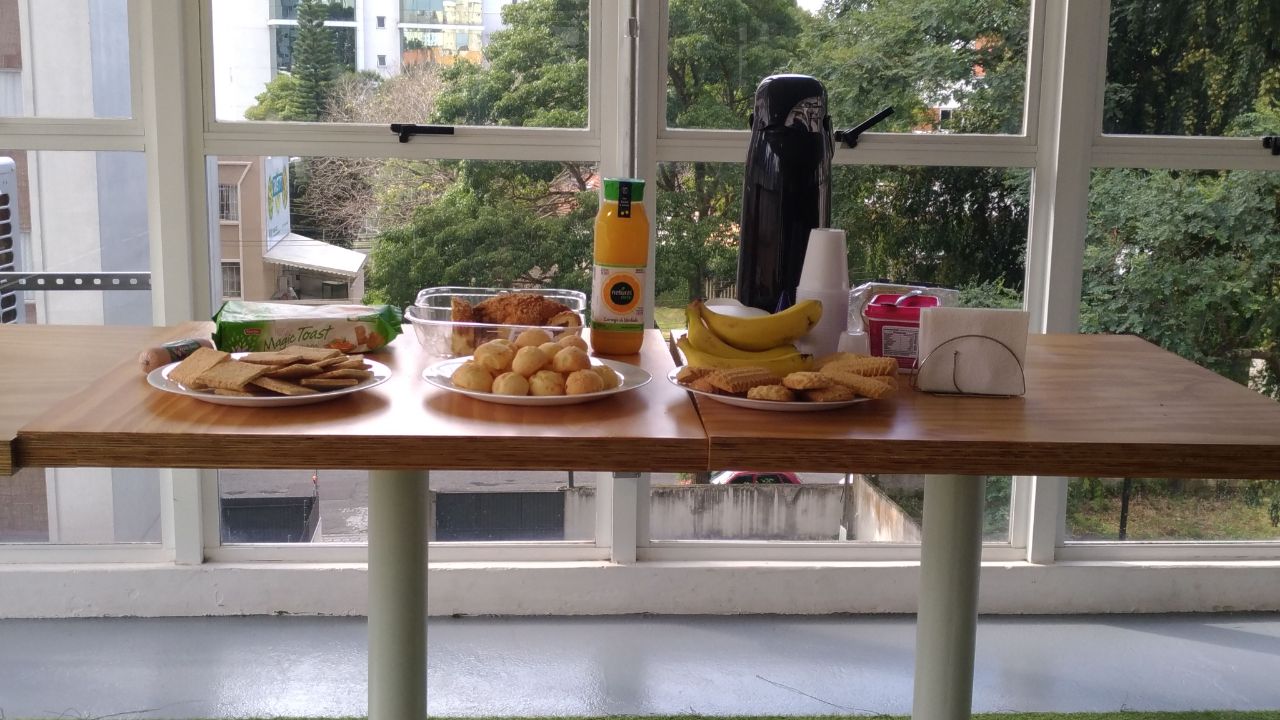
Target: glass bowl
{"type": "Point", "coordinates": [432, 318]}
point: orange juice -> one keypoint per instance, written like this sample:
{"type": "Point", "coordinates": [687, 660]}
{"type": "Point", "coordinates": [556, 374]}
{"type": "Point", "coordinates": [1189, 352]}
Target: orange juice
{"type": "Point", "coordinates": [621, 269]}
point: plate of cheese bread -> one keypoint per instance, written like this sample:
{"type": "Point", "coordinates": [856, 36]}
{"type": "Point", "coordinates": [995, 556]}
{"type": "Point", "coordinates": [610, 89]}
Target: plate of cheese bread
{"type": "Point", "coordinates": [296, 375]}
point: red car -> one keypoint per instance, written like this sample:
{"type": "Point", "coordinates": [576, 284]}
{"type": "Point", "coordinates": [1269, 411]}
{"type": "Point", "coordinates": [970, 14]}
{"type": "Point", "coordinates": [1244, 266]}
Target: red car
{"type": "Point", "coordinates": [743, 477]}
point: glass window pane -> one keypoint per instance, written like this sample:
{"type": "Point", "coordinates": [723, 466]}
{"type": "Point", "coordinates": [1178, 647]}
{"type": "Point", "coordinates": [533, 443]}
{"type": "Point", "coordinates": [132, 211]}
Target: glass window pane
{"type": "Point", "coordinates": [470, 62]}
{"type": "Point", "coordinates": [962, 70]}
{"type": "Point", "coordinates": [65, 58]}
{"type": "Point", "coordinates": [1110, 509]}
{"type": "Point", "coordinates": [1198, 67]}
{"type": "Point", "coordinates": [80, 506]}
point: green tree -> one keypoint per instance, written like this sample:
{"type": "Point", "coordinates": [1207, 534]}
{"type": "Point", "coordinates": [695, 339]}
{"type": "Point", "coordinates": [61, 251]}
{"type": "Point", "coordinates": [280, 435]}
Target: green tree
{"type": "Point", "coordinates": [315, 64]}
{"type": "Point", "coordinates": [273, 101]}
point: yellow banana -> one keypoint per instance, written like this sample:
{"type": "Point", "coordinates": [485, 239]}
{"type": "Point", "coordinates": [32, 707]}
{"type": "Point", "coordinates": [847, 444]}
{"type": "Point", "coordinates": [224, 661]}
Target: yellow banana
{"type": "Point", "coordinates": [778, 366]}
{"type": "Point", "coordinates": [766, 331]}
{"type": "Point", "coordinates": [703, 339]}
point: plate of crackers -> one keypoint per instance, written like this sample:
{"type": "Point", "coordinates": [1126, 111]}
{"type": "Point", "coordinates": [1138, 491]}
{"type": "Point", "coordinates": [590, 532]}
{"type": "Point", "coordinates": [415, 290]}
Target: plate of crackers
{"type": "Point", "coordinates": [295, 375]}
{"type": "Point", "coordinates": [836, 381]}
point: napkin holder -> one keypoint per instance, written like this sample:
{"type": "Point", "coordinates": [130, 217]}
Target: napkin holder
{"type": "Point", "coordinates": [972, 351]}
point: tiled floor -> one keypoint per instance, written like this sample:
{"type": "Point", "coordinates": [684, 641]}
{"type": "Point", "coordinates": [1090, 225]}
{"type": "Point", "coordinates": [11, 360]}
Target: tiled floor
{"type": "Point", "coordinates": [236, 667]}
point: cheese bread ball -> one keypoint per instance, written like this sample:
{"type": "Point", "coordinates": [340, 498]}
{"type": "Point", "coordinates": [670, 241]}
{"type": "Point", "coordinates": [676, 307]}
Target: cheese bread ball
{"type": "Point", "coordinates": [510, 383]}
{"type": "Point", "coordinates": [582, 382]}
{"type": "Point", "coordinates": [495, 356]}
{"type": "Point", "coordinates": [529, 360]}
{"type": "Point", "coordinates": [570, 359]}
{"type": "Point", "coordinates": [550, 349]}
{"type": "Point", "coordinates": [608, 375]}
{"type": "Point", "coordinates": [532, 338]}
{"type": "Point", "coordinates": [546, 382]}
{"type": "Point", "coordinates": [472, 376]}
{"type": "Point", "coordinates": [575, 341]}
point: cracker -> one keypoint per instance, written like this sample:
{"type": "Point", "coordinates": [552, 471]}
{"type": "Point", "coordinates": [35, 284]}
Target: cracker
{"type": "Point", "coordinates": [312, 354]}
{"type": "Point", "coordinates": [741, 379]}
{"type": "Point", "coordinates": [282, 387]}
{"type": "Point", "coordinates": [775, 393]}
{"type": "Point", "coordinates": [807, 381]}
{"type": "Point", "coordinates": [831, 393]}
{"type": "Point", "coordinates": [232, 374]}
{"type": "Point", "coordinates": [234, 393]}
{"type": "Point", "coordinates": [328, 383]}
{"type": "Point", "coordinates": [270, 358]}
{"type": "Point", "coordinates": [350, 362]}
{"type": "Point", "coordinates": [196, 364]}
{"type": "Point", "coordinates": [299, 370]}
{"type": "Point", "coordinates": [688, 373]}
{"type": "Point", "coordinates": [361, 375]}
{"type": "Point", "coordinates": [862, 385]}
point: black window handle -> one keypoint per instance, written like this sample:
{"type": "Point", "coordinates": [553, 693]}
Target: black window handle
{"type": "Point", "coordinates": [404, 130]}
{"type": "Point", "coordinates": [850, 137]}
{"type": "Point", "coordinates": [1272, 142]}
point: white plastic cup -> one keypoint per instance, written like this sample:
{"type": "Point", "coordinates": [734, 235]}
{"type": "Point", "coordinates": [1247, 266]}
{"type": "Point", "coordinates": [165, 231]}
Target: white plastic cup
{"type": "Point", "coordinates": [824, 338]}
{"type": "Point", "coordinates": [826, 261]}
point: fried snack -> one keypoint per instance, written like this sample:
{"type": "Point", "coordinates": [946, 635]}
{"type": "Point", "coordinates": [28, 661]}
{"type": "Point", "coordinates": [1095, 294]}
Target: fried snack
{"type": "Point", "coordinates": [231, 375]}
{"type": "Point", "coordinates": [546, 382]}
{"type": "Point", "coordinates": [529, 360]}
{"type": "Point", "coordinates": [518, 309]}
{"type": "Point", "coordinates": [807, 381]}
{"type": "Point", "coordinates": [865, 365]}
{"type": "Point", "coordinates": [610, 376]}
{"type": "Point", "coordinates": [473, 376]}
{"type": "Point", "coordinates": [299, 370]}
{"type": "Point", "coordinates": [510, 383]}
{"type": "Point", "coordinates": [570, 359]}
{"type": "Point", "coordinates": [270, 358]}
{"type": "Point", "coordinates": [739, 380]}
{"type": "Point", "coordinates": [550, 349]}
{"type": "Point", "coordinates": [463, 339]}
{"type": "Point", "coordinates": [703, 384]}
{"type": "Point", "coordinates": [581, 382]}
{"type": "Point", "coordinates": [312, 354]}
{"type": "Point", "coordinates": [195, 364]}
{"type": "Point", "coordinates": [323, 383]}
{"type": "Point", "coordinates": [532, 338]}
{"type": "Point", "coordinates": [573, 341]}
{"type": "Point", "coordinates": [862, 385]}
{"type": "Point", "coordinates": [282, 387]}
{"type": "Point", "coordinates": [688, 374]}
{"type": "Point", "coordinates": [495, 356]}
{"type": "Point", "coordinates": [565, 319]}
{"type": "Point", "coordinates": [775, 393]}
{"type": "Point", "coordinates": [833, 393]}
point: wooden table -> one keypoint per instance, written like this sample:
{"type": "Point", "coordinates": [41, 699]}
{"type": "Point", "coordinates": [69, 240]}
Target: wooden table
{"type": "Point", "coordinates": [1095, 406]}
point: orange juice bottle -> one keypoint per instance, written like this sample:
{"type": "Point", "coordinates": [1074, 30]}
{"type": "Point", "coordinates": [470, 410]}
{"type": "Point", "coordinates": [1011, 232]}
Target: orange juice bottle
{"type": "Point", "coordinates": [621, 269]}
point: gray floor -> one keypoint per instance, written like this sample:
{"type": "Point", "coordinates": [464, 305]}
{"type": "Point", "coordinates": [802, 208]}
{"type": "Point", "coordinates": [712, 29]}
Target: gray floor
{"type": "Point", "coordinates": [236, 667]}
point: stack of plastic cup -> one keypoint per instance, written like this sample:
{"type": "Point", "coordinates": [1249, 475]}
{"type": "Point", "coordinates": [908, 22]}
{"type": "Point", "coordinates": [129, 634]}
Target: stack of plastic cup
{"type": "Point", "coordinates": [825, 277]}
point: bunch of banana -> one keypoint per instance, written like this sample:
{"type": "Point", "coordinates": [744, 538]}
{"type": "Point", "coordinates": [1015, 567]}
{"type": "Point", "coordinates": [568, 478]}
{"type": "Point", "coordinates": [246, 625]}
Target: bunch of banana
{"type": "Point", "coordinates": [724, 341]}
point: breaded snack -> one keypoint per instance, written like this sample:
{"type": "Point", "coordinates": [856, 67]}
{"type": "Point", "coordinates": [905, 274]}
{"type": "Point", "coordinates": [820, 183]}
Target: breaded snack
{"type": "Point", "coordinates": [832, 393]}
{"type": "Point", "coordinates": [550, 349]}
{"type": "Point", "coordinates": [511, 383]}
{"type": "Point", "coordinates": [862, 385]}
{"type": "Point", "coordinates": [807, 381]}
{"type": "Point", "coordinates": [703, 384]}
{"type": "Point", "coordinates": [473, 376]}
{"type": "Point", "coordinates": [736, 381]}
{"type": "Point", "coordinates": [231, 375]}
{"type": "Point", "coordinates": [688, 373]}
{"type": "Point", "coordinates": [529, 360]}
{"type": "Point", "coordinates": [495, 356]}
{"type": "Point", "coordinates": [581, 382]}
{"type": "Point", "coordinates": [518, 309]}
{"type": "Point", "coordinates": [573, 341]}
{"type": "Point", "coordinates": [312, 354]}
{"type": "Point", "coordinates": [328, 383]}
{"type": "Point", "coordinates": [270, 358]}
{"type": "Point", "coordinates": [282, 387]}
{"type": "Point", "coordinates": [866, 366]}
{"type": "Point", "coordinates": [610, 376]}
{"type": "Point", "coordinates": [532, 338]}
{"type": "Point", "coordinates": [775, 393]}
{"type": "Point", "coordinates": [570, 359]}
{"type": "Point", "coordinates": [463, 339]}
{"type": "Point", "coordinates": [546, 382]}
{"type": "Point", "coordinates": [195, 364]}
{"type": "Point", "coordinates": [565, 319]}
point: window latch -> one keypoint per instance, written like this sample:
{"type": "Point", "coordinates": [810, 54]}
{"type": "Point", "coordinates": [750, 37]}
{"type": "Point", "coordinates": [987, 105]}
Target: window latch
{"type": "Point", "coordinates": [404, 130]}
{"type": "Point", "coordinates": [1272, 142]}
{"type": "Point", "coordinates": [850, 137]}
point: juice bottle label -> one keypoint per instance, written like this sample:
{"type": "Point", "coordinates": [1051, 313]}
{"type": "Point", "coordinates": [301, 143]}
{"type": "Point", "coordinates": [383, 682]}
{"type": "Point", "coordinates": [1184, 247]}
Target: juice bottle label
{"type": "Point", "coordinates": [619, 294]}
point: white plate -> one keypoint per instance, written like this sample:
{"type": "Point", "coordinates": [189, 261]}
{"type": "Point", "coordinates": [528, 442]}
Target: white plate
{"type": "Point", "coordinates": [774, 405]}
{"type": "Point", "coordinates": [159, 379]}
{"type": "Point", "coordinates": [439, 374]}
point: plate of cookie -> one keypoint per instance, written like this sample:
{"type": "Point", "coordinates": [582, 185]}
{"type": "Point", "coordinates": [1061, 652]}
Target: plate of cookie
{"type": "Point", "coordinates": [293, 376]}
{"type": "Point", "coordinates": [534, 370]}
{"type": "Point", "coordinates": [835, 382]}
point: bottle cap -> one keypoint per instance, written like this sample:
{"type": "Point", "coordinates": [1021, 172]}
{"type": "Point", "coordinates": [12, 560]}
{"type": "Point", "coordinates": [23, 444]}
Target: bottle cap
{"type": "Point", "coordinates": [611, 186]}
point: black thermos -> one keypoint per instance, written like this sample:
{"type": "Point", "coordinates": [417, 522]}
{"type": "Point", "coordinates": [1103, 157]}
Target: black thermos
{"type": "Point", "coordinates": [786, 190]}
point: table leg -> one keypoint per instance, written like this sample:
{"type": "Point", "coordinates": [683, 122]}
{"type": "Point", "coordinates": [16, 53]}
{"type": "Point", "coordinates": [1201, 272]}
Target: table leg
{"type": "Point", "coordinates": [947, 620]}
{"type": "Point", "coordinates": [397, 595]}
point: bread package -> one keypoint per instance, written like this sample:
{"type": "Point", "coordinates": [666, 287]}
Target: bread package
{"type": "Point", "coordinates": [266, 327]}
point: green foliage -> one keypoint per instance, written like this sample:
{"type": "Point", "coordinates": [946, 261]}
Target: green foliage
{"type": "Point", "coordinates": [315, 63]}
{"type": "Point", "coordinates": [273, 101]}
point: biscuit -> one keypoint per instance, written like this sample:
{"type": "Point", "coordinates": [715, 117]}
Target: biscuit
{"type": "Point", "coordinates": [270, 358]}
{"type": "Point", "coordinates": [776, 393]}
{"type": "Point", "coordinates": [232, 374]}
{"type": "Point", "coordinates": [350, 362]}
{"type": "Point", "coordinates": [195, 364]}
{"type": "Point", "coordinates": [688, 373]}
{"type": "Point", "coordinates": [866, 366]}
{"type": "Point", "coordinates": [312, 354]}
{"type": "Point", "coordinates": [318, 382]}
{"type": "Point", "coordinates": [355, 373]}
{"type": "Point", "coordinates": [741, 379]}
{"type": "Point", "coordinates": [282, 387]}
{"type": "Point", "coordinates": [703, 384]}
{"type": "Point", "coordinates": [232, 393]}
{"type": "Point", "coordinates": [831, 393]}
{"type": "Point", "coordinates": [807, 381]}
{"type": "Point", "coordinates": [299, 370]}
{"type": "Point", "coordinates": [862, 385]}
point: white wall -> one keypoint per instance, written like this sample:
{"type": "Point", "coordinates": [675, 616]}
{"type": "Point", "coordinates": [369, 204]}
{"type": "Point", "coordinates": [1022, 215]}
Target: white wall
{"type": "Point", "coordinates": [241, 55]}
{"type": "Point", "coordinates": [375, 41]}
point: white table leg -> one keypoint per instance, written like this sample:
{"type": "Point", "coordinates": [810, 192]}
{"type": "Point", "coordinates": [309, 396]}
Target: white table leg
{"type": "Point", "coordinates": [946, 624]}
{"type": "Point", "coordinates": [397, 595]}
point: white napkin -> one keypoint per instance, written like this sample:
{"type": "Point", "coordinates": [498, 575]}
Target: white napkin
{"type": "Point", "coordinates": [975, 351]}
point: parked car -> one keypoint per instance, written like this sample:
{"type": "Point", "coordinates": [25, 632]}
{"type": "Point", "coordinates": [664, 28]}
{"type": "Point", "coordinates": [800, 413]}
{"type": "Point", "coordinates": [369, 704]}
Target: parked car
{"type": "Point", "coordinates": [743, 477]}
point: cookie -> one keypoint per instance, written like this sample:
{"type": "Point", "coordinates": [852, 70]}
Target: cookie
{"type": "Point", "coordinates": [688, 374]}
{"type": "Point", "coordinates": [866, 366]}
{"type": "Point", "coordinates": [862, 385]}
{"type": "Point", "coordinates": [776, 393]}
{"type": "Point", "coordinates": [703, 384]}
{"type": "Point", "coordinates": [807, 381]}
{"type": "Point", "coordinates": [739, 380]}
{"type": "Point", "coordinates": [831, 393]}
